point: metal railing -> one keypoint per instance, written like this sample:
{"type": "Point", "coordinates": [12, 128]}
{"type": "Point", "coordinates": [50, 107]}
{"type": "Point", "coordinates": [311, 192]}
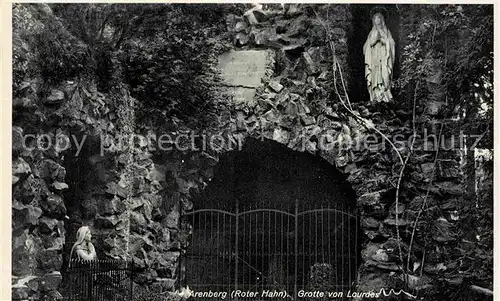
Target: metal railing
{"type": "Point", "coordinates": [270, 250]}
{"type": "Point", "coordinates": [98, 280]}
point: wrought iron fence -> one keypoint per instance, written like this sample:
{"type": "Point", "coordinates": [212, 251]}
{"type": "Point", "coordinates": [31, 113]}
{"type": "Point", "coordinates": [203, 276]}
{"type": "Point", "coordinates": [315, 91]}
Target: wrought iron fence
{"type": "Point", "coordinates": [98, 280]}
{"type": "Point", "coordinates": [270, 252]}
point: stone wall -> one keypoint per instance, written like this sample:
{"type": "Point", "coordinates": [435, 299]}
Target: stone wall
{"type": "Point", "coordinates": [138, 194]}
{"type": "Point", "coordinates": [43, 117]}
{"type": "Point", "coordinates": [70, 168]}
{"type": "Point", "coordinates": [39, 172]}
{"type": "Point", "coordinates": [44, 206]}
{"type": "Point", "coordinates": [290, 95]}
{"type": "Point", "coordinates": [296, 105]}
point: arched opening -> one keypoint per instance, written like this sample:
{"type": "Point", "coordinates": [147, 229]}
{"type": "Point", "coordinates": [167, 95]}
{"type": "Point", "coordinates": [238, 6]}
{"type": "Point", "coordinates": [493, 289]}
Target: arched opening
{"type": "Point", "coordinates": [273, 219]}
{"type": "Point", "coordinates": [361, 26]}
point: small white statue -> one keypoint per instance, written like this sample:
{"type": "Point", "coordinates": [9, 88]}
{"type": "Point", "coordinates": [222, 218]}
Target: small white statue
{"type": "Point", "coordinates": [184, 293]}
{"type": "Point", "coordinates": [379, 51]}
{"type": "Point", "coordinates": [84, 248]}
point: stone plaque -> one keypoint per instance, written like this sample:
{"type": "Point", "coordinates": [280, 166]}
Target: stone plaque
{"type": "Point", "coordinates": [243, 71]}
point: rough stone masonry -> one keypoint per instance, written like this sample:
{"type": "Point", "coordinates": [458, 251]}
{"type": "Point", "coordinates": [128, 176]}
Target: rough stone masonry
{"type": "Point", "coordinates": [280, 69]}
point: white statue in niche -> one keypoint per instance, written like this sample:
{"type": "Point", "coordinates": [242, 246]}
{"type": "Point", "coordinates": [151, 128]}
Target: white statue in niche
{"type": "Point", "coordinates": [379, 51]}
{"type": "Point", "coordinates": [84, 248]}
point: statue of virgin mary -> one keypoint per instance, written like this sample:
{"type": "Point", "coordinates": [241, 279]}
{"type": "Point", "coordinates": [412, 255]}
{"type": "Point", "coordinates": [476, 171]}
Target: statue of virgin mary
{"type": "Point", "coordinates": [379, 51]}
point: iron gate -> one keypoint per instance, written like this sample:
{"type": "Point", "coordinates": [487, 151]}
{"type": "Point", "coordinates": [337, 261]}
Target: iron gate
{"type": "Point", "coordinates": [270, 252]}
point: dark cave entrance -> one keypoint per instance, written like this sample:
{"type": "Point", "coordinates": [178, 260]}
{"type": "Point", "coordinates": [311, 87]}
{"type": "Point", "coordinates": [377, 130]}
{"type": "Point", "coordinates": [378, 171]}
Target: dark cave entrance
{"type": "Point", "coordinates": [273, 219]}
{"type": "Point", "coordinates": [361, 26]}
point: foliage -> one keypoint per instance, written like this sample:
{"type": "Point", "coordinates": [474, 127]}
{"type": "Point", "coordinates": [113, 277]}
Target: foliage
{"type": "Point", "coordinates": [449, 52]}
{"type": "Point", "coordinates": [449, 49]}
{"type": "Point", "coordinates": [43, 47]}
{"type": "Point", "coordinates": [456, 292]}
{"type": "Point", "coordinates": [164, 53]}
{"type": "Point", "coordinates": [167, 53]}
{"type": "Point", "coordinates": [476, 253]}
{"type": "Point", "coordinates": [142, 293]}
{"type": "Point", "coordinates": [172, 72]}
{"type": "Point", "coordinates": [321, 277]}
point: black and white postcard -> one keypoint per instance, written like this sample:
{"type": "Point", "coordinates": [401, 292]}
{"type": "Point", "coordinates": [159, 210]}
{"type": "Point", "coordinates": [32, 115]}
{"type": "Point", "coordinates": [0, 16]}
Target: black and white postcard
{"type": "Point", "coordinates": [251, 151]}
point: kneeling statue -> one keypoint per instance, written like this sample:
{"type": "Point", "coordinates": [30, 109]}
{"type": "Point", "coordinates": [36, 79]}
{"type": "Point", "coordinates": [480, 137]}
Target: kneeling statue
{"type": "Point", "coordinates": [84, 248]}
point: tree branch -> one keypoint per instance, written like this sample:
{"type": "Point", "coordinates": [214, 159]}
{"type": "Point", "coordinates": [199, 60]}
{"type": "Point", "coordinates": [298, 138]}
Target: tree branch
{"type": "Point", "coordinates": [424, 203]}
{"type": "Point", "coordinates": [481, 290]}
{"type": "Point", "coordinates": [401, 173]}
